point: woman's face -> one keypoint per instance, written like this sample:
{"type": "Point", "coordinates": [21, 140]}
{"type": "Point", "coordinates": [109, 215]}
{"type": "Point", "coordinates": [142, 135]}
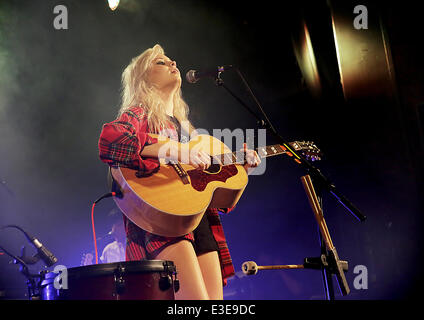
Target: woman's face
{"type": "Point", "coordinates": [164, 74]}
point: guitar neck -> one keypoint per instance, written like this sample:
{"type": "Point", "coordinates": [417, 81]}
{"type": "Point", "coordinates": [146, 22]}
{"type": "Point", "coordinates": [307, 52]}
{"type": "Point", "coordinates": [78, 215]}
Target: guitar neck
{"type": "Point", "coordinates": [238, 157]}
{"type": "Point", "coordinates": [269, 151]}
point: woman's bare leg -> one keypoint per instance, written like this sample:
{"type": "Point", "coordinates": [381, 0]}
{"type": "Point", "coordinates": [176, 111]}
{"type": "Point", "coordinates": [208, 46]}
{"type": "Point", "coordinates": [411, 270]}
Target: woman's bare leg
{"type": "Point", "coordinates": [192, 286]}
{"type": "Point", "coordinates": [211, 271]}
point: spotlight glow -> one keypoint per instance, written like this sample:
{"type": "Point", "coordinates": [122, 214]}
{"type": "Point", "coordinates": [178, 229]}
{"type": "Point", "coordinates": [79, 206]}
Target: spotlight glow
{"type": "Point", "coordinates": [113, 4]}
{"type": "Point", "coordinates": [306, 60]}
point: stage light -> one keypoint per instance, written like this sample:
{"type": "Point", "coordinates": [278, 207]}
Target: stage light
{"type": "Point", "coordinates": [113, 4]}
{"type": "Point", "coordinates": [363, 54]}
{"type": "Point", "coordinates": [306, 60]}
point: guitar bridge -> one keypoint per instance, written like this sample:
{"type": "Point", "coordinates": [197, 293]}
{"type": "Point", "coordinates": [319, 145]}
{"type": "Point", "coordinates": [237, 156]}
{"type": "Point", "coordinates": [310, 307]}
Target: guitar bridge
{"type": "Point", "coordinates": [180, 171]}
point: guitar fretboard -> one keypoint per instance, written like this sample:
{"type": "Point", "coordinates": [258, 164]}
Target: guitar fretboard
{"type": "Point", "coordinates": [238, 157]}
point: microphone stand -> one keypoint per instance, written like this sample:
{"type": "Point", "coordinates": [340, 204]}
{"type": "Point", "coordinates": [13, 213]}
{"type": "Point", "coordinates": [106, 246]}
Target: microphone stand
{"type": "Point", "coordinates": [329, 262]}
{"type": "Point", "coordinates": [33, 280]}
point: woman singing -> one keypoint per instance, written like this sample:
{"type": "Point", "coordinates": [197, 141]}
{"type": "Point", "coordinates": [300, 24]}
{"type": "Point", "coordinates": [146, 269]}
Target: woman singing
{"type": "Point", "coordinates": [152, 103]}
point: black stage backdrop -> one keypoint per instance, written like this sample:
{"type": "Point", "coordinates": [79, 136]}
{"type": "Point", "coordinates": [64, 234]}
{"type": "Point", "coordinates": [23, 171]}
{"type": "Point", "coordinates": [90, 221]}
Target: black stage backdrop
{"type": "Point", "coordinates": [57, 88]}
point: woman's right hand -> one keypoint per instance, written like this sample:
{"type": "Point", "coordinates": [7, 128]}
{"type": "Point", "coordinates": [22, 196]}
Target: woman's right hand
{"type": "Point", "coordinates": [199, 159]}
{"type": "Point", "coordinates": [181, 152]}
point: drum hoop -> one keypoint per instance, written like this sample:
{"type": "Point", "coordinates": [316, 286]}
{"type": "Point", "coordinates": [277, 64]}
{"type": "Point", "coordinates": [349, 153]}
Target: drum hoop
{"type": "Point", "coordinates": [123, 267]}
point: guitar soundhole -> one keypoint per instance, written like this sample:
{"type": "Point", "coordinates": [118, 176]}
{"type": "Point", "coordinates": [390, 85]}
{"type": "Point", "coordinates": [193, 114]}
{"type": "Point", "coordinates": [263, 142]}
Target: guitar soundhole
{"type": "Point", "coordinates": [213, 168]}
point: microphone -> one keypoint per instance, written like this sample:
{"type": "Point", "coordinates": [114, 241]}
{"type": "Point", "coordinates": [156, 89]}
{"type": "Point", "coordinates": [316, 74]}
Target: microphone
{"type": "Point", "coordinates": [249, 268]}
{"type": "Point", "coordinates": [193, 76]}
{"type": "Point", "coordinates": [42, 252]}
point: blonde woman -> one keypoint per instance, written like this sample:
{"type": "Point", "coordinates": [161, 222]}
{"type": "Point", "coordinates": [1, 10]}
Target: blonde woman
{"type": "Point", "coordinates": [152, 103]}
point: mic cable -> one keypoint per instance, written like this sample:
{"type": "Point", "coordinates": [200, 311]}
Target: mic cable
{"type": "Point", "coordinates": [106, 195]}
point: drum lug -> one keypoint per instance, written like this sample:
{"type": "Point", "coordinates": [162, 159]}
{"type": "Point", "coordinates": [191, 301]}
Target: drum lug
{"type": "Point", "coordinates": [165, 282]}
{"type": "Point", "coordinates": [169, 277]}
{"type": "Point", "coordinates": [119, 280]}
{"type": "Point", "coordinates": [176, 284]}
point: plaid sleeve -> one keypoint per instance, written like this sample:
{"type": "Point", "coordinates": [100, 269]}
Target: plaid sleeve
{"type": "Point", "coordinates": [122, 140]}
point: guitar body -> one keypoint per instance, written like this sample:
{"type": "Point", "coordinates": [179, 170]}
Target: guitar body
{"type": "Point", "coordinates": [170, 205]}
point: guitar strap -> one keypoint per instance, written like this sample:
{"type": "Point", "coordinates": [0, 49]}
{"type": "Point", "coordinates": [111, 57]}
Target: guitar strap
{"type": "Point", "coordinates": [182, 134]}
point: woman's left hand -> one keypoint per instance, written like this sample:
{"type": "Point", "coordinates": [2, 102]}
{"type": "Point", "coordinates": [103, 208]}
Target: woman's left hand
{"type": "Point", "coordinates": [252, 159]}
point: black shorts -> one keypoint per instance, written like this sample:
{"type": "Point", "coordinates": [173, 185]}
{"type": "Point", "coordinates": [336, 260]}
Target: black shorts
{"type": "Point", "coordinates": [204, 240]}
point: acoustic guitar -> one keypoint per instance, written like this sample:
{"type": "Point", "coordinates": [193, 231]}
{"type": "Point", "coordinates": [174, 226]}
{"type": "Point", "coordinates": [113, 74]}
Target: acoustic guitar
{"type": "Point", "coordinates": [172, 201]}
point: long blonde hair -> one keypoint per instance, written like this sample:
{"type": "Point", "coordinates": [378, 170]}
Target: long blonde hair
{"type": "Point", "coordinates": [137, 91]}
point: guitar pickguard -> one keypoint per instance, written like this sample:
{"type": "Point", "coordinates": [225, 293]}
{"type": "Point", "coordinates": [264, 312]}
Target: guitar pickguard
{"type": "Point", "coordinates": [201, 178]}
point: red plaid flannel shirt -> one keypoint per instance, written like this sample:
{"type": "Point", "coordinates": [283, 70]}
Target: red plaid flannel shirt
{"type": "Point", "coordinates": [121, 142]}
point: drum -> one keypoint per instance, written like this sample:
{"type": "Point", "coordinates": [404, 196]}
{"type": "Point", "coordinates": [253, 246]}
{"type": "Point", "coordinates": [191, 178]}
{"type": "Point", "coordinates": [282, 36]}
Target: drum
{"type": "Point", "coordinates": [132, 280]}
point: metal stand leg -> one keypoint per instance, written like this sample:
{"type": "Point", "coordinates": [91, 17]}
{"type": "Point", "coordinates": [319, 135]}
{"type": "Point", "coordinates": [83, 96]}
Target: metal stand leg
{"type": "Point", "coordinates": [329, 257]}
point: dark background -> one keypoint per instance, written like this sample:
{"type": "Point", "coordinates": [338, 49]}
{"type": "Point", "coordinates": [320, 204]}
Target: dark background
{"type": "Point", "coordinates": [57, 88]}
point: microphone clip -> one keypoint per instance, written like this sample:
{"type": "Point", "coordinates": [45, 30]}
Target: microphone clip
{"type": "Point", "coordinates": [221, 69]}
{"type": "Point", "coordinates": [28, 260]}
{"type": "Point", "coordinates": [218, 80]}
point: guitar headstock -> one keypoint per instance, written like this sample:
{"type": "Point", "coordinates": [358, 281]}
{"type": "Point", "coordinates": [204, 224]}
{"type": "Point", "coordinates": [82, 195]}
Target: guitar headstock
{"type": "Point", "coordinates": [308, 149]}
